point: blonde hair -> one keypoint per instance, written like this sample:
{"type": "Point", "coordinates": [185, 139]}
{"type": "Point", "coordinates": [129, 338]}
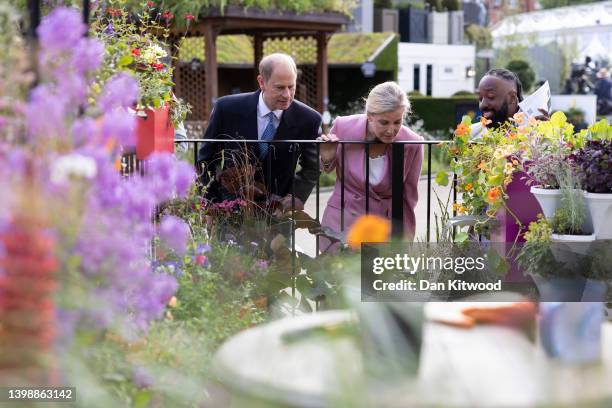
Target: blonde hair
{"type": "Point", "coordinates": [387, 97]}
{"type": "Point", "coordinates": [267, 64]}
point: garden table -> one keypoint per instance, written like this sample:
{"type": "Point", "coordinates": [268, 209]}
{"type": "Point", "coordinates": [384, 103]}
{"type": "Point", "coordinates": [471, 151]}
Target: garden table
{"type": "Point", "coordinates": [478, 367]}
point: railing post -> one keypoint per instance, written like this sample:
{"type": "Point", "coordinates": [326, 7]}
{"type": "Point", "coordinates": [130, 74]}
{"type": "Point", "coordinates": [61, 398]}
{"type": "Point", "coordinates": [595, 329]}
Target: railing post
{"type": "Point", "coordinates": [397, 190]}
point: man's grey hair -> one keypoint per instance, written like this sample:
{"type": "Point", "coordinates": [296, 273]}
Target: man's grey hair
{"type": "Point", "coordinates": [267, 64]}
{"type": "Point", "coordinates": [387, 97]}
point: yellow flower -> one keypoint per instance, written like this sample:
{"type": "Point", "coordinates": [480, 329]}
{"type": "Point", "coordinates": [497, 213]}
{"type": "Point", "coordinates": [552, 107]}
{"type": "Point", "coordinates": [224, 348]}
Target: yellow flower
{"type": "Point", "coordinates": [498, 154]}
{"type": "Point", "coordinates": [508, 168]}
{"type": "Point", "coordinates": [172, 303]}
{"type": "Point", "coordinates": [515, 162]}
{"type": "Point", "coordinates": [456, 206]}
{"type": "Point", "coordinates": [462, 209]}
{"type": "Point", "coordinates": [368, 228]}
{"type": "Point", "coordinates": [507, 181]}
{"type": "Point", "coordinates": [468, 186]}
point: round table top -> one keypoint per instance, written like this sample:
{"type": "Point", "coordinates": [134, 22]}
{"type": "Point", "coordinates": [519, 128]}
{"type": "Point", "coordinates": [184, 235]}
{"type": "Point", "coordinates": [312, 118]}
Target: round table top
{"type": "Point", "coordinates": [485, 365]}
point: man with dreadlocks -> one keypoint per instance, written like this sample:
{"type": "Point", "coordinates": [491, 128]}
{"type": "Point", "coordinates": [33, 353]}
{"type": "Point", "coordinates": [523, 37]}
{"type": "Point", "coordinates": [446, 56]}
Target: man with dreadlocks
{"type": "Point", "coordinates": [499, 93]}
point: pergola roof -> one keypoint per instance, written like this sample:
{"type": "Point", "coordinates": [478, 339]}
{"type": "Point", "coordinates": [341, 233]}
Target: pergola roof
{"type": "Point", "coordinates": [343, 48]}
{"type": "Point", "coordinates": [238, 20]}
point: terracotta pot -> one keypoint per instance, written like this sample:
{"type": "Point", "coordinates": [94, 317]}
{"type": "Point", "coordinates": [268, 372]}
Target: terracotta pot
{"type": "Point", "coordinates": [154, 133]}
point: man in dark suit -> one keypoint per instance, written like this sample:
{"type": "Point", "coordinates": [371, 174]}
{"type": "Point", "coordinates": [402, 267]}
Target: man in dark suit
{"type": "Point", "coordinates": [271, 113]}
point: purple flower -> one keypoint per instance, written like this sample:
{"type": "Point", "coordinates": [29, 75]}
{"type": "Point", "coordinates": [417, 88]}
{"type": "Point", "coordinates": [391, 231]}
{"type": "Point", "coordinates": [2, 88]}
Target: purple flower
{"type": "Point", "coordinates": [203, 248]}
{"type": "Point", "coordinates": [174, 233]}
{"type": "Point", "coordinates": [119, 125]}
{"type": "Point", "coordinates": [61, 30]}
{"type": "Point", "coordinates": [121, 90]}
{"type": "Point", "coordinates": [109, 30]}
{"type": "Point", "coordinates": [84, 129]}
{"type": "Point", "coordinates": [45, 114]}
{"type": "Point", "coordinates": [72, 87]}
{"type": "Point", "coordinates": [87, 55]}
{"type": "Point", "coordinates": [141, 377]}
{"type": "Point", "coordinates": [167, 176]}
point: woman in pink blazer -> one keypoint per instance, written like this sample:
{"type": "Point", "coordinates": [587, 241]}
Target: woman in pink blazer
{"type": "Point", "coordinates": [386, 108]}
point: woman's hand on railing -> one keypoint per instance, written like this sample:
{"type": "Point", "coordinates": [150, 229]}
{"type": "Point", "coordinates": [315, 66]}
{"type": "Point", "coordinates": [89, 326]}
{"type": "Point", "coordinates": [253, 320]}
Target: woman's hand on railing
{"type": "Point", "coordinates": [328, 149]}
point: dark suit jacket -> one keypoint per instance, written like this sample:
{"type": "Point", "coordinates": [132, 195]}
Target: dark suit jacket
{"type": "Point", "coordinates": [234, 117]}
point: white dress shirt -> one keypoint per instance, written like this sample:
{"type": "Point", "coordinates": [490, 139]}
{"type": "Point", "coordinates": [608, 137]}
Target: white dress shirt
{"type": "Point", "coordinates": [377, 168]}
{"type": "Point", "coordinates": [262, 120]}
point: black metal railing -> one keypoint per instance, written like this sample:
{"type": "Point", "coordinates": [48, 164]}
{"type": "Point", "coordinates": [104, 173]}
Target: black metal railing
{"type": "Point", "coordinates": [130, 164]}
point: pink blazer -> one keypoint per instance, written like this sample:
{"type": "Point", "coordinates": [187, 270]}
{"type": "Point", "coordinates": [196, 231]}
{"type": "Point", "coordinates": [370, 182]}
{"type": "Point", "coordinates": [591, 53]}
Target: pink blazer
{"type": "Point", "coordinates": [354, 128]}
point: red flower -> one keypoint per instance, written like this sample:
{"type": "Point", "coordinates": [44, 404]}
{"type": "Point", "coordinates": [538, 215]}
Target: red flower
{"type": "Point", "coordinates": [158, 67]}
{"type": "Point", "coordinates": [189, 17]}
{"type": "Point", "coordinates": [136, 52]}
{"type": "Point", "coordinates": [114, 12]}
{"type": "Point", "coordinates": [150, 4]}
{"type": "Point", "coordinates": [200, 259]}
{"type": "Point", "coordinates": [168, 15]}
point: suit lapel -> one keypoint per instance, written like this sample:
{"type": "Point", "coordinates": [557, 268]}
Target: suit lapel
{"type": "Point", "coordinates": [248, 127]}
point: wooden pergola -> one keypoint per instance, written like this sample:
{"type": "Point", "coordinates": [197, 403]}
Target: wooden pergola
{"type": "Point", "coordinates": [261, 26]}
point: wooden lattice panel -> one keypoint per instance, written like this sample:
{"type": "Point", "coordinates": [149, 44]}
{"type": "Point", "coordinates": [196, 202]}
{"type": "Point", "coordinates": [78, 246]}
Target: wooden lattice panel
{"type": "Point", "coordinates": [190, 77]}
{"type": "Point", "coordinates": [304, 52]}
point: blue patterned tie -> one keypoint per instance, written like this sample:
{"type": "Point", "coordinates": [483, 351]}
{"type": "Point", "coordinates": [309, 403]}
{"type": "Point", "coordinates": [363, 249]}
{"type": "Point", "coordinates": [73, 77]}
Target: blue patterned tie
{"type": "Point", "coordinates": [268, 134]}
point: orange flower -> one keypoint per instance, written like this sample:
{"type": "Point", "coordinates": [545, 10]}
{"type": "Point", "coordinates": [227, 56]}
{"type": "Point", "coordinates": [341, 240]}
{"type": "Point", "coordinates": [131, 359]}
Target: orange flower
{"type": "Point", "coordinates": [493, 195]}
{"type": "Point", "coordinates": [368, 228]}
{"type": "Point", "coordinates": [468, 186]}
{"type": "Point", "coordinates": [462, 129]}
{"type": "Point", "coordinates": [482, 165]}
{"type": "Point", "coordinates": [484, 121]}
{"type": "Point", "coordinates": [519, 117]}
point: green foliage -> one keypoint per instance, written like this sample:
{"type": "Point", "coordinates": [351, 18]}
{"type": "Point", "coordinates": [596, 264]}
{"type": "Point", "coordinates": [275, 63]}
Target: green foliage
{"type": "Point", "coordinates": [479, 35]}
{"type": "Point", "coordinates": [138, 47]}
{"type": "Point", "coordinates": [439, 113]}
{"type": "Point", "coordinates": [524, 71]}
{"type": "Point", "coordinates": [200, 8]}
{"type": "Point", "coordinates": [548, 4]}
{"type": "Point", "coordinates": [451, 5]}
{"type": "Point", "coordinates": [383, 4]}
{"type": "Point", "coordinates": [570, 216]}
{"type": "Point", "coordinates": [435, 5]}
{"type": "Point", "coordinates": [462, 93]}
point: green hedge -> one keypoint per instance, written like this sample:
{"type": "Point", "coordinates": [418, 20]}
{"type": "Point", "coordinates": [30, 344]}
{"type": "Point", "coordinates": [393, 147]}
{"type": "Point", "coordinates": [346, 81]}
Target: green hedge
{"type": "Point", "coordinates": [439, 113]}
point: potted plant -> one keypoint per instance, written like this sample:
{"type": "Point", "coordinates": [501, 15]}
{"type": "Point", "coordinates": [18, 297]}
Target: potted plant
{"type": "Point", "coordinates": [594, 162]}
{"type": "Point", "coordinates": [134, 44]}
{"type": "Point", "coordinates": [549, 157]}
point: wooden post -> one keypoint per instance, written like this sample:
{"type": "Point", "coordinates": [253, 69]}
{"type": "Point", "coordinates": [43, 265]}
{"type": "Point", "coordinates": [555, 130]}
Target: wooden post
{"type": "Point", "coordinates": [322, 75]}
{"type": "Point", "coordinates": [258, 51]}
{"type": "Point", "coordinates": [212, 85]}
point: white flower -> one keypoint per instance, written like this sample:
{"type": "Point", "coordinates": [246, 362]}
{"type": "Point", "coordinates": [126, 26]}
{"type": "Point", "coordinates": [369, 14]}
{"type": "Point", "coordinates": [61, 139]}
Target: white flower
{"type": "Point", "coordinates": [152, 53]}
{"type": "Point", "coordinates": [73, 165]}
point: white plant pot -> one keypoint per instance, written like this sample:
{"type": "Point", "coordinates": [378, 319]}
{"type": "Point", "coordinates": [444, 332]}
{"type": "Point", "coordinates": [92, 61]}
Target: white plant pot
{"type": "Point", "coordinates": [600, 207]}
{"type": "Point", "coordinates": [548, 199]}
{"type": "Point", "coordinates": [566, 247]}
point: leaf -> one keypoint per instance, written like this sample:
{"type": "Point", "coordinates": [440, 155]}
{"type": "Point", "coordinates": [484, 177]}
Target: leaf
{"type": "Point", "coordinates": [466, 120]}
{"type": "Point", "coordinates": [125, 60]}
{"type": "Point", "coordinates": [442, 178]}
{"type": "Point", "coordinates": [558, 119]}
{"type": "Point", "coordinates": [461, 236]}
{"type": "Point", "coordinates": [142, 398]}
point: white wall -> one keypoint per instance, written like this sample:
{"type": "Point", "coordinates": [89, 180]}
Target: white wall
{"type": "Point", "coordinates": [449, 64]}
